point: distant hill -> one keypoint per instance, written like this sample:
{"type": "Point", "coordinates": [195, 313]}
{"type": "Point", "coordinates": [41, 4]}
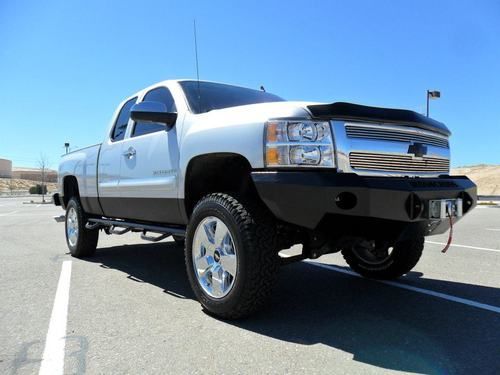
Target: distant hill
{"type": "Point", "coordinates": [6, 184]}
{"type": "Point", "coordinates": [486, 177]}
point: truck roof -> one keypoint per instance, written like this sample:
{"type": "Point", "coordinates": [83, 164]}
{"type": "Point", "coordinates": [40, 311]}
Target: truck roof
{"type": "Point", "coordinates": [169, 82]}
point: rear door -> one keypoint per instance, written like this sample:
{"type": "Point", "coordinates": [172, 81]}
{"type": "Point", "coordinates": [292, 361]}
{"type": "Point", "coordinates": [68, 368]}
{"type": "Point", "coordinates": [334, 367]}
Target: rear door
{"type": "Point", "coordinates": [148, 174]}
{"type": "Point", "coordinates": [110, 160]}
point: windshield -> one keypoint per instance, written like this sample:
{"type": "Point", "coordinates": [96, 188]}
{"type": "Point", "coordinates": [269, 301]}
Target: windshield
{"type": "Point", "coordinates": [212, 96]}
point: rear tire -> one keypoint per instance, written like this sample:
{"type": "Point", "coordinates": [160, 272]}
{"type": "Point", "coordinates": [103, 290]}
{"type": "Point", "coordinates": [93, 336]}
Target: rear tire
{"type": "Point", "coordinates": [231, 279]}
{"type": "Point", "coordinates": [404, 256]}
{"type": "Point", "coordinates": [82, 242]}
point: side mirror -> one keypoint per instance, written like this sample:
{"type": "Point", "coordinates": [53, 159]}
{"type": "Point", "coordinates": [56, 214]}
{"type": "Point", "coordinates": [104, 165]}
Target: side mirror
{"type": "Point", "coordinates": [153, 112]}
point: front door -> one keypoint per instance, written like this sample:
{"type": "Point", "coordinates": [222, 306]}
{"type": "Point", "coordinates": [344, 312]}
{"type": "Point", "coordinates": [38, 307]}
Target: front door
{"type": "Point", "coordinates": [110, 161]}
{"type": "Point", "coordinates": [149, 168]}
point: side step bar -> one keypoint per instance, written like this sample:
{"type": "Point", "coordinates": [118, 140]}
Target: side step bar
{"type": "Point", "coordinates": [154, 239]}
{"type": "Point", "coordinates": [130, 225]}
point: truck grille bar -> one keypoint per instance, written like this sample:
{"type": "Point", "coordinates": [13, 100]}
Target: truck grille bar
{"type": "Point", "coordinates": [392, 134]}
{"type": "Point", "coordinates": [398, 163]}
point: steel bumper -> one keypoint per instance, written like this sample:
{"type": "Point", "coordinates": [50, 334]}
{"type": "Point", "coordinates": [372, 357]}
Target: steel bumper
{"type": "Point", "coordinates": [305, 197]}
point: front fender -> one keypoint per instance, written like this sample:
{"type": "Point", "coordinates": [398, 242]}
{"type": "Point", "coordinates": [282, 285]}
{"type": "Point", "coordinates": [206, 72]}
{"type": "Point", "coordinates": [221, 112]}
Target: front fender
{"type": "Point", "coordinates": [237, 130]}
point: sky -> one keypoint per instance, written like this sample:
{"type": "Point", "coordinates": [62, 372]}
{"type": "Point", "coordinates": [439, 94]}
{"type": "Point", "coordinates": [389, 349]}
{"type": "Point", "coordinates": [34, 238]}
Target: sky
{"type": "Point", "coordinates": [65, 65]}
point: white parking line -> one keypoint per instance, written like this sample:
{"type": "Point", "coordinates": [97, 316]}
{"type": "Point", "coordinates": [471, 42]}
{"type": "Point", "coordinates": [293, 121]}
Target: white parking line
{"type": "Point", "coordinates": [30, 215]}
{"type": "Point", "coordinates": [53, 355]}
{"type": "Point", "coordinates": [447, 297]}
{"type": "Point", "coordinates": [494, 229]}
{"type": "Point", "coordinates": [464, 246]}
{"type": "Point", "coordinates": [8, 213]}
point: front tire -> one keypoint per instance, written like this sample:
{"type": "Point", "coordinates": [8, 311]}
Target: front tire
{"type": "Point", "coordinates": [381, 261]}
{"type": "Point", "coordinates": [82, 242]}
{"type": "Point", "coordinates": [230, 255]}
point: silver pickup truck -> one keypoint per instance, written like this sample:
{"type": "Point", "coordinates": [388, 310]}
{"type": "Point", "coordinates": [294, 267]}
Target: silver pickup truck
{"type": "Point", "coordinates": [235, 175]}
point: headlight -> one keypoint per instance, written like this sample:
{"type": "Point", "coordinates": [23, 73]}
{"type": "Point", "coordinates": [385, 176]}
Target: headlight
{"type": "Point", "coordinates": [299, 143]}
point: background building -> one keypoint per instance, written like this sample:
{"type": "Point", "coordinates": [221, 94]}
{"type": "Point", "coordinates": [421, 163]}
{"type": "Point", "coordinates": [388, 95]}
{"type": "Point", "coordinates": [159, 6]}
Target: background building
{"type": "Point", "coordinates": [5, 168]}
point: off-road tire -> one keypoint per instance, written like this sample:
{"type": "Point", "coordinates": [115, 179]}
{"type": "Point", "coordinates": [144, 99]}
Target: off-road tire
{"type": "Point", "coordinates": [253, 232]}
{"type": "Point", "coordinates": [86, 244]}
{"type": "Point", "coordinates": [404, 256]}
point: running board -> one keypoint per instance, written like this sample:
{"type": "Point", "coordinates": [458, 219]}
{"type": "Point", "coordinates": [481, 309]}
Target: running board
{"type": "Point", "coordinates": [112, 230]}
{"type": "Point", "coordinates": [178, 231]}
{"type": "Point", "coordinates": [145, 237]}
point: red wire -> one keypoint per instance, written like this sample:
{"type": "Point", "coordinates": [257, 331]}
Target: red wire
{"type": "Point", "coordinates": [450, 236]}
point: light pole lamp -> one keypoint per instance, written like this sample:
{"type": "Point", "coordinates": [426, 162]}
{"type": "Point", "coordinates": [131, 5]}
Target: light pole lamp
{"type": "Point", "coordinates": [432, 94]}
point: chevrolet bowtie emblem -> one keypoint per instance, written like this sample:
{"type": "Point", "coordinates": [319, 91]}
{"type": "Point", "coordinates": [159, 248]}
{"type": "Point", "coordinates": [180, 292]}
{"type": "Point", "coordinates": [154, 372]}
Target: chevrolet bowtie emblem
{"type": "Point", "coordinates": [417, 149]}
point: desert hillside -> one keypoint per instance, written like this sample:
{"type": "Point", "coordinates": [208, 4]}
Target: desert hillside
{"type": "Point", "coordinates": [18, 184]}
{"type": "Point", "coordinates": [486, 177]}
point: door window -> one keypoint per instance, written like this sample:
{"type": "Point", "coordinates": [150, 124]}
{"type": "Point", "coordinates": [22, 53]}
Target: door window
{"type": "Point", "coordinates": [162, 95]}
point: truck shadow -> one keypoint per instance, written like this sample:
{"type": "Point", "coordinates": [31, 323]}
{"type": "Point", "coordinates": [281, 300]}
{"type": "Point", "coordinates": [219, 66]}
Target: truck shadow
{"type": "Point", "coordinates": [379, 325]}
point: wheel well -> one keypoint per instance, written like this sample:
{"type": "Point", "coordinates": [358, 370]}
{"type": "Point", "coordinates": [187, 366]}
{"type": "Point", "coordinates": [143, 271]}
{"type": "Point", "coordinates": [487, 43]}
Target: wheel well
{"type": "Point", "coordinates": [218, 172]}
{"type": "Point", "coordinates": [70, 189]}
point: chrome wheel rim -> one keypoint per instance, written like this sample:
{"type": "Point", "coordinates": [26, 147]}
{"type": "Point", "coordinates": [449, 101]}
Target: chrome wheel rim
{"type": "Point", "coordinates": [72, 226]}
{"type": "Point", "coordinates": [214, 257]}
{"type": "Point", "coordinates": [369, 253]}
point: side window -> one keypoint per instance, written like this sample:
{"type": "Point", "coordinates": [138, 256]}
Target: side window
{"type": "Point", "coordinates": [162, 95]}
{"type": "Point", "coordinates": [122, 121]}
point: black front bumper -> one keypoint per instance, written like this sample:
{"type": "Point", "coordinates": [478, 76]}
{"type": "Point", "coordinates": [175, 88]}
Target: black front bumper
{"type": "Point", "coordinates": [305, 197]}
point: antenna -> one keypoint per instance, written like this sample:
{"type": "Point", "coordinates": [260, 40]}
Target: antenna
{"type": "Point", "coordinates": [197, 69]}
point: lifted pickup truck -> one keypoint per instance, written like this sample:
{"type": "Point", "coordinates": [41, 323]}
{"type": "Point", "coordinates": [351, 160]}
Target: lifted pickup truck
{"type": "Point", "coordinates": [236, 175]}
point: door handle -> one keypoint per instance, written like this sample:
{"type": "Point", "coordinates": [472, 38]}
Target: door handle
{"type": "Point", "coordinates": [130, 153]}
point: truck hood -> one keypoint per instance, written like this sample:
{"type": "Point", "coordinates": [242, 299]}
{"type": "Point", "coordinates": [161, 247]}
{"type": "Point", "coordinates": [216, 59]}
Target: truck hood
{"type": "Point", "coordinates": [258, 112]}
{"type": "Point", "coordinates": [339, 110]}
{"type": "Point", "coordinates": [349, 111]}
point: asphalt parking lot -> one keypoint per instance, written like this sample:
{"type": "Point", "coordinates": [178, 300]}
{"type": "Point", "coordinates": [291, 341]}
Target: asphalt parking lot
{"type": "Point", "coordinates": [130, 308]}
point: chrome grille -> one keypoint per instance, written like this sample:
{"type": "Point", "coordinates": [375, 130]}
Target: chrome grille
{"type": "Point", "coordinates": [395, 134]}
{"type": "Point", "coordinates": [398, 163]}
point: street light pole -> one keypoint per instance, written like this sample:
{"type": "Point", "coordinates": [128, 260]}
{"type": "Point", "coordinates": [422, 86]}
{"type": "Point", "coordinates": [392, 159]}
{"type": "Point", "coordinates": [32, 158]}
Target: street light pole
{"type": "Point", "coordinates": [432, 94]}
{"type": "Point", "coordinates": [427, 104]}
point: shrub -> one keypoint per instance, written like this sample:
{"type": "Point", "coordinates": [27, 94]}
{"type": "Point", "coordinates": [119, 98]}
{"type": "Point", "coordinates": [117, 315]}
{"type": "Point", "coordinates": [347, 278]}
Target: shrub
{"type": "Point", "coordinates": [38, 189]}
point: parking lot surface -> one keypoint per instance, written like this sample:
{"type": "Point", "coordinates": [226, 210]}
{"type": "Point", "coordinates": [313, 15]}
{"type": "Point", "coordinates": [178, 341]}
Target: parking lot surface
{"type": "Point", "coordinates": [130, 308]}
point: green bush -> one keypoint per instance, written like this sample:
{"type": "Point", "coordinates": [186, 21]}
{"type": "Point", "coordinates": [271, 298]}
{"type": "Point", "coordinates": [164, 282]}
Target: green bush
{"type": "Point", "coordinates": [38, 189]}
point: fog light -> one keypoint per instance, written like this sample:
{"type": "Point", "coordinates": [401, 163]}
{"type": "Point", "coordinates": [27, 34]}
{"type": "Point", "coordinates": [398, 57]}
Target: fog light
{"type": "Point", "coordinates": [346, 200]}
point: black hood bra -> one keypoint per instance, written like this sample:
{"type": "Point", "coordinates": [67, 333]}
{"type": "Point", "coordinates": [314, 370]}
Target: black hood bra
{"type": "Point", "coordinates": [349, 111]}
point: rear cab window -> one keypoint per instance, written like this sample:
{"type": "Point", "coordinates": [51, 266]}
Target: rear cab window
{"type": "Point", "coordinates": [120, 127]}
